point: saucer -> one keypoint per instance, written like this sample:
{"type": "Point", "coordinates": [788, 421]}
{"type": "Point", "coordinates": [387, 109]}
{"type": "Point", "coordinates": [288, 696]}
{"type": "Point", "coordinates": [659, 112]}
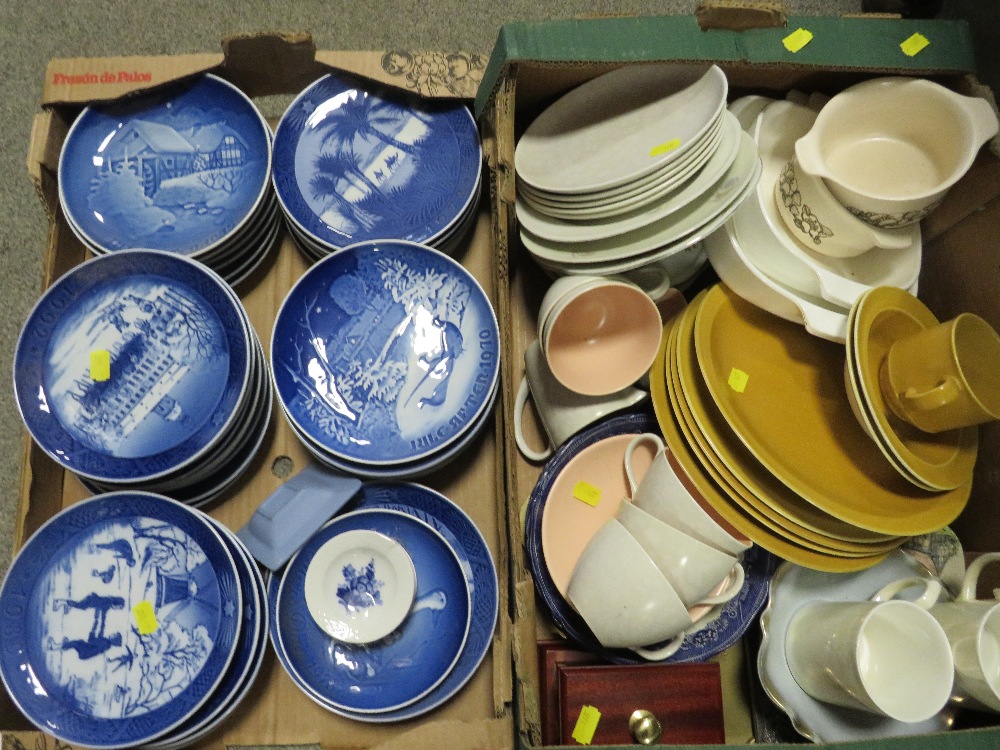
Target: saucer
{"type": "Point", "coordinates": [792, 587]}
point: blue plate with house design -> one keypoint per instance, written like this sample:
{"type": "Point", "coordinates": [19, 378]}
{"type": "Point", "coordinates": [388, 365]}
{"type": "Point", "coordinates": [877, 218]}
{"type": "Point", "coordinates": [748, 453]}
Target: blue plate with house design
{"type": "Point", "coordinates": [354, 161]}
{"type": "Point", "coordinates": [407, 664]}
{"type": "Point", "coordinates": [385, 352]}
{"type": "Point", "coordinates": [120, 616]}
{"type": "Point", "coordinates": [180, 168]}
{"type": "Point", "coordinates": [131, 365]}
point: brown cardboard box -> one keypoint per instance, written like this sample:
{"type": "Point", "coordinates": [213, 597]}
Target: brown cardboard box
{"type": "Point", "coordinates": [534, 63]}
{"type": "Point", "coordinates": [276, 712]}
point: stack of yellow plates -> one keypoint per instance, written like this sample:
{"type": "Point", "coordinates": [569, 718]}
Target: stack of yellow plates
{"type": "Point", "coordinates": [756, 412]}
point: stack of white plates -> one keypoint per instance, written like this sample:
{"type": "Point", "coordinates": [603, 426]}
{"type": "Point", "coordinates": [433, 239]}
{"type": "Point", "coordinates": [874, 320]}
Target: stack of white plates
{"type": "Point", "coordinates": [386, 359]}
{"type": "Point", "coordinates": [140, 370]}
{"type": "Point", "coordinates": [632, 169]}
{"type": "Point", "coordinates": [131, 620]}
{"type": "Point", "coordinates": [354, 162]}
{"type": "Point", "coordinates": [186, 170]}
{"type": "Point", "coordinates": [443, 633]}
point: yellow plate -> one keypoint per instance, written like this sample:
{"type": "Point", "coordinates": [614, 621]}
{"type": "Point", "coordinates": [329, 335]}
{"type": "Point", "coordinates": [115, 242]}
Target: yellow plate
{"type": "Point", "coordinates": [794, 415]}
{"type": "Point", "coordinates": [757, 532]}
{"type": "Point", "coordinates": [755, 490]}
{"type": "Point", "coordinates": [944, 460]}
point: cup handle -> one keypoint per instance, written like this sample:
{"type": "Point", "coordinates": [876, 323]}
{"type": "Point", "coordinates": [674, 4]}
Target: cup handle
{"type": "Point", "coordinates": [984, 119]}
{"type": "Point", "coordinates": [530, 453]}
{"type": "Point", "coordinates": [971, 580]}
{"type": "Point", "coordinates": [933, 398]}
{"type": "Point", "coordinates": [932, 591]}
{"type": "Point", "coordinates": [734, 588]}
{"type": "Point", "coordinates": [808, 156]}
{"type": "Point", "coordinates": [646, 437]}
{"type": "Point", "coordinates": [664, 652]}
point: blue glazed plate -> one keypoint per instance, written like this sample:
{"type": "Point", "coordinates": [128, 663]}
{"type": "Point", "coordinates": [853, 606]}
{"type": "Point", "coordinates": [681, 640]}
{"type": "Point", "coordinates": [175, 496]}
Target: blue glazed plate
{"type": "Point", "coordinates": [179, 169]}
{"type": "Point", "coordinates": [120, 615]}
{"type": "Point", "coordinates": [180, 363]}
{"type": "Point", "coordinates": [354, 161]}
{"type": "Point", "coordinates": [385, 352]}
{"type": "Point", "coordinates": [405, 665]}
{"type": "Point", "coordinates": [736, 615]}
{"type": "Point", "coordinates": [465, 538]}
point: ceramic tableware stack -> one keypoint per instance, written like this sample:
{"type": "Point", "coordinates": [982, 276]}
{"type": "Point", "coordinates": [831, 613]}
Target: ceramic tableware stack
{"type": "Point", "coordinates": [630, 171]}
{"type": "Point", "coordinates": [141, 622]}
{"type": "Point", "coordinates": [140, 370]}
{"type": "Point", "coordinates": [185, 169]}
{"type": "Point", "coordinates": [389, 609]}
{"type": "Point", "coordinates": [354, 162]}
{"type": "Point", "coordinates": [385, 359]}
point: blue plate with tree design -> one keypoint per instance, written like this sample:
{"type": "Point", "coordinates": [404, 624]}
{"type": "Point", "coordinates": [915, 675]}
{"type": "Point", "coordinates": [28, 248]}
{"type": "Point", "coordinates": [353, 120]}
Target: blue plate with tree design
{"type": "Point", "coordinates": [179, 169]}
{"type": "Point", "coordinates": [385, 352]}
{"type": "Point", "coordinates": [355, 161]}
{"type": "Point", "coordinates": [120, 615]}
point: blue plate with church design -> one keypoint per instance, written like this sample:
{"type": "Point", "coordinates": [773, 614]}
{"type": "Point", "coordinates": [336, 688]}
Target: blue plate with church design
{"type": "Point", "coordinates": [400, 668]}
{"type": "Point", "coordinates": [132, 365]}
{"type": "Point", "coordinates": [354, 161]}
{"type": "Point", "coordinates": [179, 169]}
{"type": "Point", "coordinates": [120, 616]}
{"type": "Point", "coordinates": [385, 352]}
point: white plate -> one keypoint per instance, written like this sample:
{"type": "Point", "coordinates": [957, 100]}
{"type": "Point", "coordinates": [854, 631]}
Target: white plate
{"type": "Point", "coordinates": [620, 126]}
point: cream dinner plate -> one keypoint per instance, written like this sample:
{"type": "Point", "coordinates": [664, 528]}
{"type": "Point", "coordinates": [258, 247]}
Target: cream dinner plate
{"type": "Point", "coordinates": [944, 460]}
{"type": "Point", "coordinates": [782, 392]}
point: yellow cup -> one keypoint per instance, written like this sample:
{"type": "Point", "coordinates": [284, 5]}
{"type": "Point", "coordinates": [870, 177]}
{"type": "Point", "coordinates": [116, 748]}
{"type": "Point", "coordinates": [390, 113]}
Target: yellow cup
{"type": "Point", "coordinates": [945, 377]}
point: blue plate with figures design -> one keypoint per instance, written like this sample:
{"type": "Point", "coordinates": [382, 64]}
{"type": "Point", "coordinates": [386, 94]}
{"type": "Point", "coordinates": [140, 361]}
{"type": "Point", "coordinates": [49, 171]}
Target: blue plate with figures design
{"type": "Point", "coordinates": [178, 356]}
{"type": "Point", "coordinates": [465, 538]}
{"type": "Point", "coordinates": [120, 615]}
{"type": "Point", "coordinates": [355, 161]}
{"type": "Point", "coordinates": [385, 352]}
{"type": "Point", "coordinates": [180, 169]}
{"type": "Point", "coordinates": [407, 664]}
{"type": "Point", "coordinates": [727, 628]}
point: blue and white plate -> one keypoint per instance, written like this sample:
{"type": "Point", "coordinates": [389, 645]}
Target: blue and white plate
{"type": "Point", "coordinates": [405, 665]}
{"type": "Point", "coordinates": [355, 161]}
{"type": "Point", "coordinates": [180, 362]}
{"type": "Point", "coordinates": [385, 352]}
{"type": "Point", "coordinates": [736, 615]}
{"type": "Point", "coordinates": [180, 169]}
{"type": "Point", "coordinates": [121, 616]}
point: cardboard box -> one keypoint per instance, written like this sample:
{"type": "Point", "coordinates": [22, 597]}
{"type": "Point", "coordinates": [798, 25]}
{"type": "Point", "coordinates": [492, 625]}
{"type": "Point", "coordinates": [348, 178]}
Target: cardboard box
{"type": "Point", "coordinates": [535, 63]}
{"type": "Point", "coordinates": [276, 712]}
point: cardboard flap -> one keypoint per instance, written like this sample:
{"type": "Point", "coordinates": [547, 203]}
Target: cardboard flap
{"type": "Point", "coordinates": [737, 15]}
{"type": "Point", "coordinates": [430, 74]}
{"type": "Point", "coordinates": [270, 63]}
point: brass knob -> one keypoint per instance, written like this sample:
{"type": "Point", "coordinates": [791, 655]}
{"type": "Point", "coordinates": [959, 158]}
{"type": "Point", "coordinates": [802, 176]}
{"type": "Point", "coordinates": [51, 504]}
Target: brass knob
{"type": "Point", "coordinates": [645, 727]}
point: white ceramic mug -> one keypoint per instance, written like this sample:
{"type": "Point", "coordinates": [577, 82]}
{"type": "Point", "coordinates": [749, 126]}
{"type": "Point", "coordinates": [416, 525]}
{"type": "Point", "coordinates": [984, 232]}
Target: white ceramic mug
{"type": "Point", "coordinates": [885, 656]}
{"type": "Point", "coordinates": [663, 493]}
{"type": "Point", "coordinates": [973, 628]}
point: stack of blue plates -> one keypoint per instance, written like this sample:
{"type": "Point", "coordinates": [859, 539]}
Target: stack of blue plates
{"type": "Point", "coordinates": [385, 358]}
{"type": "Point", "coordinates": [129, 620]}
{"type": "Point", "coordinates": [354, 161]}
{"type": "Point", "coordinates": [185, 169]}
{"type": "Point", "coordinates": [140, 370]}
{"type": "Point", "coordinates": [439, 644]}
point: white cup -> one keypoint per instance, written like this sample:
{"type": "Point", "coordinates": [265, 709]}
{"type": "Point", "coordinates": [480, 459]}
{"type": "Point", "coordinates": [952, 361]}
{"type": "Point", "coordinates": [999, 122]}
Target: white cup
{"type": "Point", "coordinates": [562, 412]}
{"type": "Point", "coordinates": [885, 656]}
{"type": "Point", "coordinates": [973, 628]}
{"type": "Point", "coordinates": [662, 492]}
{"type": "Point", "coordinates": [692, 568]}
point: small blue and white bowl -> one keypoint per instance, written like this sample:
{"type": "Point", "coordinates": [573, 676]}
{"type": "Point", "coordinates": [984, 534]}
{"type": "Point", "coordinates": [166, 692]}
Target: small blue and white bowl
{"type": "Point", "coordinates": [356, 161]}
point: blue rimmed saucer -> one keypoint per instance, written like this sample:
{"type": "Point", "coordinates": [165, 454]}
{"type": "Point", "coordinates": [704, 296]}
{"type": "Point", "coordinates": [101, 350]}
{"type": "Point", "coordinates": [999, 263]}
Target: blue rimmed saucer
{"type": "Point", "coordinates": [734, 618]}
{"type": "Point", "coordinates": [132, 365]}
{"type": "Point", "coordinates": [404, 666]}
{"type": "Point", "coordinates": [121, 616]}
{"type": "Point", "coordinates": [356, 161]}
{"type": "Point", "coordinates": [385, 352]}
{"type": "Point", "coordinates": [179, 169]}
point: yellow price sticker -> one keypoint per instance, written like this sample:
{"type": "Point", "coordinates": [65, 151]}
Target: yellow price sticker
{"type": "Point", "coordinates": [738, 380]}
{"type": "Point", "coordinates": [100, 365]}
{"type": "Point", "coordinates": [914, 44]}
{"type": "Point", "coordinates": [797, 40]}
{"type": "Point", "coordinates": [665, 147]}
{"type": "Point", "coordinates": [586, 725]}
{"type": "Point", "coordinates": [587, 493]}
{"type": "Point", "coordinates": [145, 618]}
